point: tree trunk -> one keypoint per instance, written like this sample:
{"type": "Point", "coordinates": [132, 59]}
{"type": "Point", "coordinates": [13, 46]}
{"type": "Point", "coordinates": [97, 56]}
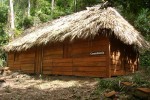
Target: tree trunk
{"type": "Point", "coordinates": [52, 7]}
{"type": "Point", "coordinates": [75, 5]}
{"type": "Point", "coordinates": [2, 3]}
{"type": "Point", "coordinates": [29, 6]}
{"type": "Point", "coordinates": [12, 19]}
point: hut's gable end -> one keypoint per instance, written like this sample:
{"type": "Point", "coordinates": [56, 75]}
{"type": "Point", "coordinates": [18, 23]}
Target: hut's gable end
{"type": "Point", "coordinates": [124, 58]}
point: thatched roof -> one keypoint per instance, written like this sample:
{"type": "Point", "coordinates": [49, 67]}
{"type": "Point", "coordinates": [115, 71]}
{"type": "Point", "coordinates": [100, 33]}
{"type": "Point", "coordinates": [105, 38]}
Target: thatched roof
{"type": "Point", "coordinates": [79, 25]}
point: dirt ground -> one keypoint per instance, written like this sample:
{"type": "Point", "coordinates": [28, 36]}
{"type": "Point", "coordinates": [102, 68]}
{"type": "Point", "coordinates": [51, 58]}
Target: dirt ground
{"type": "Point", "coordinates": [19, 86]}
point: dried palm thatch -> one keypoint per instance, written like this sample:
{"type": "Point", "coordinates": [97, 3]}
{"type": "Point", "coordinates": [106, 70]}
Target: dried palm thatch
{"type": "Point", "coordinates": [79, 25]}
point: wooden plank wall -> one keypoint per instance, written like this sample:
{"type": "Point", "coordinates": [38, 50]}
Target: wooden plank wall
{"type": "Point", "coordinates": [67, 58]}
{"type": "Point", "coordinates": [27, 61]}
{"type": "Point", "coordinates": [13, 60]}
{"type": "Point", "coordinates": [85, 64]}
{"type": "Point", "coordinates": [123, 58]}
{"type": "Point", "coordinates": [10, 61]}
{"type": "Point", "coordinates": [75, 59]}
{"type": "Point", "coordinates": [24, 61]}
{"type": "Point", "coordinates": [90, 66]}
{"type": "Point", "coordinates": [54, 61]}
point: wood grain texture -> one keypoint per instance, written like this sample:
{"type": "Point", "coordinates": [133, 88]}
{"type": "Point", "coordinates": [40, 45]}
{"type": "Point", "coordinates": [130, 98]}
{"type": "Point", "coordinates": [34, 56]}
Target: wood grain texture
{"type": "Point", "coordinates": [47, 68]}
{"type": "Point", "coordinates": [54, 52]}
{"type": "Point", "coordinates": [91, 59]}
{"type": "Point", "coordinates": [89, 69]}
{"type": "Point", "coordinates": [92, 74]}
{"type": "Point", "coordinates": [27, 67]}
{"type": "Point", "coordinates": [90, 63]}
{"type": "Point", "coordinates": [61, 69]}
{"type": "Point", "coordinates": [66, 64]}
{"type": "Point", "coordinates": [47, 72]}
{"type": "Point", "coordinates": [62, 73]}
{"type": "Point", "coordinates": [118, 72]}
{"type": "Point", "coordinates": [74, 58]}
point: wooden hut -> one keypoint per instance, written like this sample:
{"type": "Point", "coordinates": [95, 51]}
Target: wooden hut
{"type": "Point", "coordinates": [94, 42]}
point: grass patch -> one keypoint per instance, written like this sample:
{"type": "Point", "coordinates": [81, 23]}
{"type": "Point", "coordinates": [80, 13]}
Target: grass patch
{"type": "Point", "coordinates": [110, 84]}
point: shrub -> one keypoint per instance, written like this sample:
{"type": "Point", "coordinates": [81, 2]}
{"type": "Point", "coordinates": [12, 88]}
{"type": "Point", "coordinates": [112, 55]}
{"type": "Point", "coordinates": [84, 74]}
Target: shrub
{"type": "Point", "coordinates": [140, 80]}
{"type": "Point", "coordinates": [28, 22]}
{"type": "Point", "coordinates": [111, 84]}
{"type": "Point", "coordinates": [145, 59]}
{"type": "Point", "coordinates": [43, 17]}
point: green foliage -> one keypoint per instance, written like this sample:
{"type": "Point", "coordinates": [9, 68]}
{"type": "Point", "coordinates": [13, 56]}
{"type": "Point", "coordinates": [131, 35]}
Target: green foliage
{"type": "Point", "coordinates": [141, 80]}
{"type": "Point", "coordinates": [111, 84]}
{"type": "Point", "coordinates": [3, 35]}
{"type": "Point", "coordinates": [145, 62]}
{"type": "Point", "coordinates": [27, 22]}
{"type": "Point", "coordinates": [17, 32]}
{"type": "Point", "coordinates": [43, 17]}
{"type": "Point", "coordinates": [137, 12]}
{"type": "Point", "coordinates": [82, 4]}
{"type": "Point", "coordinates": [3, 14]}
{"type": "Point", "coordinates": [142, 22]}
{"type": "Point", "coordinates": [3, 40]}
{"type": "Point", "coordinates": [145, 59]}
{"type": "Point", "coordinates": [20, 9]}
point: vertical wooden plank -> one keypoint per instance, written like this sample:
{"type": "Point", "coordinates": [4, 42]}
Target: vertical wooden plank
{"type": "Point", "coordinates": [108, 59]}
{"type": "Point", "coordinates": [38, 60]}
{"type": "Point", "coordinates": [36, 64]}
{"type": "Point", "coordinates": [65, 50]}
{"type": "Point", "coordinates": [37, 57]}
{"type": "Point", "coordinates": [41, 60]}
{"type": "Point", "coordinates": [12, 59]}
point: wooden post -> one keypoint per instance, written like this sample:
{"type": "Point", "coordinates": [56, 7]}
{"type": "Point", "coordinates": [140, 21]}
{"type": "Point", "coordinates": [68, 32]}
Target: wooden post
{"type": "Point", "coordinates": [41, 60]}
{"type": "Point", "coordinates": [75, 5]}
{"type": "Point", "coordinates": [12, 19]}
{"type": "Point", "coordinates": [108, 59]}
{"type": "Point", "coordinates": [29, 7]}
{"type": "Point", "coordinates": [38, 60]}
{"type": "Point", "coordinates": [52, 7]}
